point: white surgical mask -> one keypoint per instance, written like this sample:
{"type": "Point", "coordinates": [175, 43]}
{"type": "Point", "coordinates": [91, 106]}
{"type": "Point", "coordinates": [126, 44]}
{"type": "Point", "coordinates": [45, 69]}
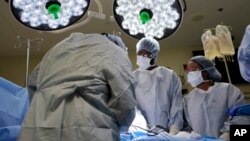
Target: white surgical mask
{"type": "Point", "coordinates": [194, 78]}
{"type": "Point", "coordinates": [143, 62]}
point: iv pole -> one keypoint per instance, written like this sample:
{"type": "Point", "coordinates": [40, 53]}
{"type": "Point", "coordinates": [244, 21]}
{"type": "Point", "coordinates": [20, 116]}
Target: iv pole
{"type": "Point", "coordinates": [28, 42]}
{"type": "Point", "coordinates": [224, 59]}
{"type": "Point", "coordinates": [228, 75]}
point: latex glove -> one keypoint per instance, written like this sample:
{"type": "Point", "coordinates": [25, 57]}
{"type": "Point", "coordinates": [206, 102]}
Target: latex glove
{"type": "Point", "coordinates": [195, 135]}
{"type": "Point", "coordinates": [173, 130]}
{"type": "Point", "coordinates": [224, 136]}
{"type": "Point", "coordinates": [183, 134]}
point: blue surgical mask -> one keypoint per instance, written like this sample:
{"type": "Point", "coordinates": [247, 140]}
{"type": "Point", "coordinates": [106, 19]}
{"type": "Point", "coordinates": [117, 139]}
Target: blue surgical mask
{"type": "Point", "coordinates": [194, 78]}
{"type": "Point", "coordinates": [143, 62]}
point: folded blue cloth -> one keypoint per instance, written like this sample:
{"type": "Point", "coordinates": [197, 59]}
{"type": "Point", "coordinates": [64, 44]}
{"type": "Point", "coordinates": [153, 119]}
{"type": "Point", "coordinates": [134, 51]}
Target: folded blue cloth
{"type": "Point", "coordinates": [241, 110]}
{"type": "Point", "coordinates": [14, 103]}
{"type": "Point", "coordinates": [141, 136]}
{"type": "Point", "coordinates": [9, 133]}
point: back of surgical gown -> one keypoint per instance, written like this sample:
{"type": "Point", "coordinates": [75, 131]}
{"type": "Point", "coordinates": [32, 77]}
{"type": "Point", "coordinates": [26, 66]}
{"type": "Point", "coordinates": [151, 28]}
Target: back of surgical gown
{"type": "Point", "coordinates": [84, 91]}
{"type": "Point", "coordinates": [244, 55]}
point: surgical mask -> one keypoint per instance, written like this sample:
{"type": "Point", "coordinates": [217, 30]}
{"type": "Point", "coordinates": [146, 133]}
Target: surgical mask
{"type": "Point", "coordinates": [194, 78]}
{"type": "Point", "coordinates": [143, 62]}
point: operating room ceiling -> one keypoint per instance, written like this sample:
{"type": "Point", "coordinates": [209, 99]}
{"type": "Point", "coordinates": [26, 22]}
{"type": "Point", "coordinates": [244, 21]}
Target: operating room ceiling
{"type": "Point", "coordinates": [200, 15]}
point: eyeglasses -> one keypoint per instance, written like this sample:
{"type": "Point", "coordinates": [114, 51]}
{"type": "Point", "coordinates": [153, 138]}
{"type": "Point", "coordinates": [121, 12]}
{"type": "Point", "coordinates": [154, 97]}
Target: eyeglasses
{"type": "Point", "coordinates": [197, 69]}
{"type": "Point", "coordinates": [145, 54]}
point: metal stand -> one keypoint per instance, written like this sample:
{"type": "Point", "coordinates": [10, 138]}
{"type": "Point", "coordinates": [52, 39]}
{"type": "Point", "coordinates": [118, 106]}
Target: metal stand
{"type": "Point", "coordinates": [28, 42]}
{"type": "Point", "coordinates": [224, 57]}
{"type": "Point", "coordinates": [228, 75]}
{"type": "Point", "coordinates": [27, 62]}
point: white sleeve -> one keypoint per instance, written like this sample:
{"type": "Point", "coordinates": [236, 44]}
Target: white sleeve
{"type": "Point", "coordinates": [176, 111]}
{"type": "Point", "coordinates": [235, 98]}
{"type": "Point", "coordinates": [118, 72]}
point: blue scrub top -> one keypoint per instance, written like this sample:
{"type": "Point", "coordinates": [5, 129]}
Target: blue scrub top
{"type": "Point", "coordinates": [244, 55]}
{"type": "Point", "coordinates": [14, 105]}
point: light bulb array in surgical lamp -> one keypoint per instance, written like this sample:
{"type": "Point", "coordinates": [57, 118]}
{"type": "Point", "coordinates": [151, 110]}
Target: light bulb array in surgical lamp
{"type": "Point", "coordinates": [48, 15]}
{"type": "Point", "coordinates": [148, 18]}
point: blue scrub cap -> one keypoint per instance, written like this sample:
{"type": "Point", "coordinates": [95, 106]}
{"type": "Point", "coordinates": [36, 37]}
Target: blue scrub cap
{"type": "Point", "coordinates": [209, 66]}
{"type": "Point", "coordinates": [116, 40]}
{"type": "Point", "coordinates": [149, 44]}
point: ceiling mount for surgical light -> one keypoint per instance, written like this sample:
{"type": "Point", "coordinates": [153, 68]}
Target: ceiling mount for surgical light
{"type": "Point", "coordinates": [48, 15]}
{"type": "Point", "coordinates": [148, 18]}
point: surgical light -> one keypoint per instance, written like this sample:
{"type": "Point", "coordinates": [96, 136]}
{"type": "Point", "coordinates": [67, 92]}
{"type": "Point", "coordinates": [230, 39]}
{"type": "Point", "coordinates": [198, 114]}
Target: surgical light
{"type": "Point", "coordinates": [148, 18]}
{"type": "Point", "coordinates": [48, 15]}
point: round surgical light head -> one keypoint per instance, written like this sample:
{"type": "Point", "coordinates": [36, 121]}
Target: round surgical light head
{"type": "Point", "coordinates": [48, 15]}
{"type": "Point", "coordinates": [148, 18]}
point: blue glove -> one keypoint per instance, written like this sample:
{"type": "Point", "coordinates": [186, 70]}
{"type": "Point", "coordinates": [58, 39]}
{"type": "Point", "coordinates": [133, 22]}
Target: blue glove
{"type": "Point", "coordinates": [243, 110]}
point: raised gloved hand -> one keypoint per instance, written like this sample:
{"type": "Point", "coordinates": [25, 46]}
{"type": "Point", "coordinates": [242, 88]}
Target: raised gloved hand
{"type": "Point", "coordinates": [224, 136]}
{"type": "Point", "coordinates": [173, 130]}
{"type": "Point", "coordinates": [116, 40]}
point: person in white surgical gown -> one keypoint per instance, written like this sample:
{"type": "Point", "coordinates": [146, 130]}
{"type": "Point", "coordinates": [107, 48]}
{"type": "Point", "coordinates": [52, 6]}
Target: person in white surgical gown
{"type": "Point", "coordinates": [158, 89]}
{"type": "Point", "coordinates": [206, 105]}
{"type": "Point", "coordinates": [244, 55]}
{"type": "Point", "coordinates": [83, 90]}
